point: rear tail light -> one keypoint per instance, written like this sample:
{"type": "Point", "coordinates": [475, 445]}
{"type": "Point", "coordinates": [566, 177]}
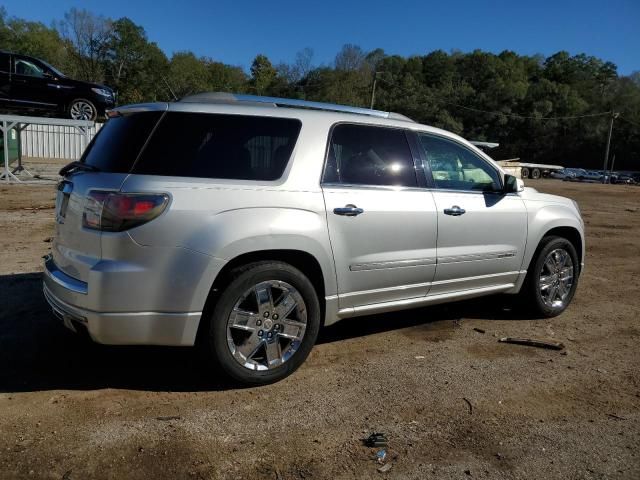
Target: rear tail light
{"type": "Point", "coordinates": [115, 211]}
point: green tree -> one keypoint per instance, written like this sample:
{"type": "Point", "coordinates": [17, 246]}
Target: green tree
{"type": "Point", "coordinates": [188, 74]}
{"type": "Point", "coordinates": [225, 78]}
{"type": "Point", "coordinates": [88, 35]}
{"type": "Point", "coordinates": [262, 74]}
{"type": "Point", "coordinates": [34, 38]}
{"type": "Point", "coordinates": [350, 58]}
{"type": "Point", "coordinates": [538, 109]}
{"type": "Point", "coordinates": [135, 67]}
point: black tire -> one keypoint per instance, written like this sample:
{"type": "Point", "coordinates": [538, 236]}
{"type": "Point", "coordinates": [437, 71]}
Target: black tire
{"type": "Point", "coordinates": [524, 172]}
{"type": "Point", "coordinates": [531, 295]}
{"type": "Point", "coordinates": [78, 102]}
{"type": "Point", "coordinates": [535, 174]}
{"type": "Point", "coordinates": [240, 280]}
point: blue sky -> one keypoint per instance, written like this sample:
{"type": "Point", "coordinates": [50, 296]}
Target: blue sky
{"type": "Point", "coordinates": [235, 31]}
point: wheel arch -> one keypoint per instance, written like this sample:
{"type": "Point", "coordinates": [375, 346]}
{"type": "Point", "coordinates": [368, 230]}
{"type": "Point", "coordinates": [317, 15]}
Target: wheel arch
{"type": "Point", "coordinates": [570, 232]}
{"type": "Point", "coordinates": [302, 260]}
{"type": "Point", "coordinates": [551, 219]}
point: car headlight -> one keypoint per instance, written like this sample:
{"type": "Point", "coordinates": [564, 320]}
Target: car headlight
{"type": "Point", "coordinates": [103, 92]}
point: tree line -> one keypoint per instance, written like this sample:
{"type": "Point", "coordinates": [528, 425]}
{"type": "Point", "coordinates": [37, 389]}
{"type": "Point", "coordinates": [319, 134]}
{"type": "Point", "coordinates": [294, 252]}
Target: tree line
{"type": "Point", "coordinates": [550, 110]}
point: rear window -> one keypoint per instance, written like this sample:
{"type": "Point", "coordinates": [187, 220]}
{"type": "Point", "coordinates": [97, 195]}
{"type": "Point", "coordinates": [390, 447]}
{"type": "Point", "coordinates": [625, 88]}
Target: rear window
{"type": "Point", "coordinates": [219, 146]}
{"type": "Point", "coordinates": [117, 145]}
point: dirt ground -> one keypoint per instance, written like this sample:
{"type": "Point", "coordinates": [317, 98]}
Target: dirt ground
{"type": "Point", "coordinates": [74, 410]}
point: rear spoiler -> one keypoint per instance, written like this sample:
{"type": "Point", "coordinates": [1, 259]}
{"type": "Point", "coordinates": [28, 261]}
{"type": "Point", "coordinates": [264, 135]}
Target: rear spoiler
{"type": "Point", "coordinates": [139, 107]}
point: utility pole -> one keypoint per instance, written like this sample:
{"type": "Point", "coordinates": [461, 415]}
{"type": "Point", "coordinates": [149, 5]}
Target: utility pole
{"type": "Point", "coordinates": [373, 89]}
{"type": "Point", "coordinates": [613, 161]}
{"type": "Point", "coordinates": [614, 115]}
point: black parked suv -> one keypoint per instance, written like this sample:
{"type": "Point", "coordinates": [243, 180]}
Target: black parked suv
{"type": "Point", "coordinates": [28, 84]}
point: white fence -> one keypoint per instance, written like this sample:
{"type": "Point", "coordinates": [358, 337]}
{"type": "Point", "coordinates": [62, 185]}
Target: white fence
{"type": "Point", "coordinates": [53, 141]}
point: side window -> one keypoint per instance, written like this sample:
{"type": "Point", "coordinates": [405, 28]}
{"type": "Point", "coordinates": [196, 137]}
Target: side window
{"type": "Point", "coordinates": [4, 62]}
{"type": "Point", "coordinates": [366, 155]}
{"type": "Point", "coordinates": [219, 146]}
{"type": "Point", "coordinates": [457, 168]}
{"type": "Point", "coordinates": [28, 68]}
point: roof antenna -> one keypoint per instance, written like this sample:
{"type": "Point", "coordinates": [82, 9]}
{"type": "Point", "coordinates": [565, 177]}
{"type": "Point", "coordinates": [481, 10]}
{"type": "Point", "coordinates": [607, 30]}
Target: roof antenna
{"type": "Point", "coordinates": [169, 87]}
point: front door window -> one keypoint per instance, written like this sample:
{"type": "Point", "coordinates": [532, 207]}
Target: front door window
{"type": "Point", "coordinates": [28, 68]}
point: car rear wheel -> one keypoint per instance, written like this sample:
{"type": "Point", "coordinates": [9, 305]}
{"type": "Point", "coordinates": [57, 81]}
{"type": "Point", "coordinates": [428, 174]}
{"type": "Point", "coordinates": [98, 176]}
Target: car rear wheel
{"type": "Point", "coordinates": [264, 323]}
{"type": "Point", "coordinates": [553, 277]}
{"type": "Point", "coordinates": [82, 109]}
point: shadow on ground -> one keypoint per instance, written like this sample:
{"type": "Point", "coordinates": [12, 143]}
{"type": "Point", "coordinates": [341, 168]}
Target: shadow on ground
{"type": "Point", "coordinates": [38, 353]}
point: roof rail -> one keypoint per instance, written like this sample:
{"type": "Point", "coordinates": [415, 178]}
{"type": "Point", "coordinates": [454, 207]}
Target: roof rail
{"type": "Point", "coordinates": [229, 98]}
{"type": "Point", "coordinates": [482, 144]}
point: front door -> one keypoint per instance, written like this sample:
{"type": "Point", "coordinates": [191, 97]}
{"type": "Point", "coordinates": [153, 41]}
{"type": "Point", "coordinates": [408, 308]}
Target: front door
{"type": "Point", "coordinates": [482, 232]}
{"type": "Point", "coordinates": [33, 86]}
{"type": "Point", "coordinates": [382, 226]}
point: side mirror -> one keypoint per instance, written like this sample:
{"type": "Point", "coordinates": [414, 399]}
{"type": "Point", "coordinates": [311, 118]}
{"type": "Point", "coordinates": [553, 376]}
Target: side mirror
{"type": "Point", "coordinates": [49, 75]}
{"type": "Point", "coordinates": [512, 184]}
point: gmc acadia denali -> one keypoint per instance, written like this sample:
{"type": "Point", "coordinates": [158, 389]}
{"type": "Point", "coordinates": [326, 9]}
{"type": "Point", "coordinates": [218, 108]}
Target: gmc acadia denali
{"type": "Point", "coordinates": [243, 224]}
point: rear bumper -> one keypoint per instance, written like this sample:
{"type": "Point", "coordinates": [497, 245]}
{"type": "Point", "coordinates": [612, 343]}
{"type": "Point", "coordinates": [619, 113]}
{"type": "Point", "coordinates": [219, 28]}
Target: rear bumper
{"type": "Point", "coordinates": [65, 294]}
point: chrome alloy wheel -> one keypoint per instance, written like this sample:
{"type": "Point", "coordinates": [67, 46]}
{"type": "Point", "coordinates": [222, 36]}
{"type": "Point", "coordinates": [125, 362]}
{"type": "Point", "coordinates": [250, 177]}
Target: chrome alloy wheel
{"type": "Point", "coordinates": [556, 278]}
{"type": "Point", "coordinates": [267, 325]}
{"type": "Point", "coordinates": [81, 110]}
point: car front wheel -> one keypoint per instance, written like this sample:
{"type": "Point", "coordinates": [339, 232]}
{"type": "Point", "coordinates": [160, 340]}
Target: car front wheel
{"type": "Point", "coordinates": [264, 324]}
{"type": "Point", "coordinates": [82, 109]}
{"type": "Point", "coordinates": [553, 277]}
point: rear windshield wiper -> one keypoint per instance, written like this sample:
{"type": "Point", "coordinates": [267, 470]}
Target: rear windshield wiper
{"type": "Point", "coordinates": [77, 166]}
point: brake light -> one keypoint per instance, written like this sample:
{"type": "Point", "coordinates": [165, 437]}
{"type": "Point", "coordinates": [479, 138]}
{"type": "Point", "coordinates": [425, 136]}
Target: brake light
{"type": "Point", "coordinates": [115, 211]}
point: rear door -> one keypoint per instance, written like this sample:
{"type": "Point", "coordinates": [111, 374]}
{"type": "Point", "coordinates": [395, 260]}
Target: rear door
{"type": "Point", "coordinates": [381, 225]}
{"type": "Point", "coordinates": [32, 85]}
{"type": "Point", "coordinates": [481, 231]}
{"type": "Point", "coordinates": [112, 152]}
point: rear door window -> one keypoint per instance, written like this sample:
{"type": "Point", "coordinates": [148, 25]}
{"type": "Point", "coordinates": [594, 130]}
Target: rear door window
{"type": "Point", "coordinates": [219, 146]}
{"type": "Point", "coordinates": [117, 144]}
{"type": "Point", "coordinates": [369, 155]}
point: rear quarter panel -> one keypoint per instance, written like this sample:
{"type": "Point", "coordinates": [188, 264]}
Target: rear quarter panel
{"type": "Point", "coordinates": [223, 220]}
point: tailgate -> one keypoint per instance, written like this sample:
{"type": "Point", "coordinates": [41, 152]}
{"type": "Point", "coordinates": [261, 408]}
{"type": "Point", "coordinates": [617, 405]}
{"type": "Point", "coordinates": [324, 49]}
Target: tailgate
{"type": "Point", "coordinates": [76, 249]}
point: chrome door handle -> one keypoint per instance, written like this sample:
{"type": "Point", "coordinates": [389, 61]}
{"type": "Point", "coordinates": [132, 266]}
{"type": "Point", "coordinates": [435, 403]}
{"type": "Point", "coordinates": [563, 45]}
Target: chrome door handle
{"type": "Point", "coordinates": [454, 211]}
{"type": "Point", "coordinates": [348, 210]}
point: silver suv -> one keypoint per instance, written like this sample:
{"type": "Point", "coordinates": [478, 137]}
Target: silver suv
{"type": "Point", "coordinates": [243, 224]}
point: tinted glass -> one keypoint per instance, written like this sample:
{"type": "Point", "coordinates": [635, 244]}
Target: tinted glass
{"type": "Point", "coordinates": [28, 67]}
{"type": "Point", "coordinates": [219, 146]}
{"type": "Point", "coordinates": [118, 143]}
{"type": "Point", "coordinates": [456, 167]}
{"type": "Point", "coordinates": [365, 155]}
{"type": "Point", "coordinates": [4, 62]}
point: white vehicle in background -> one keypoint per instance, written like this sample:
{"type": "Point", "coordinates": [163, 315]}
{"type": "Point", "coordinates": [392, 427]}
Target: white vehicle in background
{"type": "Point", "coordinates": [520, 169]}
